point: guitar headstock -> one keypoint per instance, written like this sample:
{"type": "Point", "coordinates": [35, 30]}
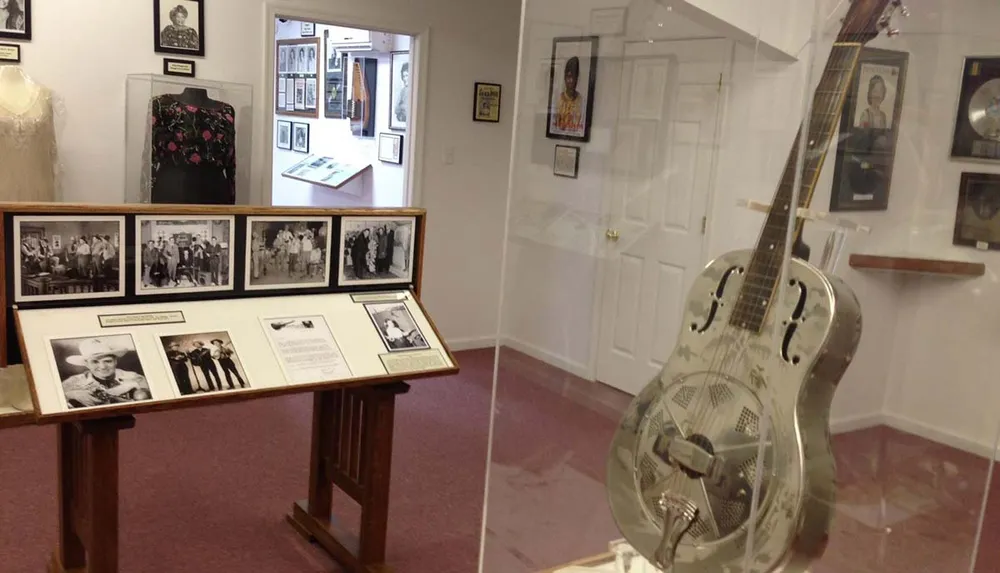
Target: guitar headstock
{"type": "Point", "coordinates": [866, 19]}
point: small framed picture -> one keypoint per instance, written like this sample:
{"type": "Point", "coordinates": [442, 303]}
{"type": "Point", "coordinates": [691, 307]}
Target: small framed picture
{"type": "Point", "coordinates": [376, 250]}
{"type": "Point", "coordinates": [487, 103]}
{"type": "Point", "coordinates": [308, 29]}
{"type": "Point", "coordinates": [284, 134]}
{"type": "Point", "coordinates": [10, 53]}
{"type": "Point", "coordinates": [977, 223]}
{"type": "Point", "coordinates": [179, 27]}
{"type": "Point", "coordinates": [300, 137]}
{"type": "Point", "coordinates": [183, 68]}
{"type": "Point", "coordinates": [203, 362]}
{"type": "Point", "coordinates": [572, 85]}
{"type": "Point", "coordinates": [396, 327]}
{"type": "Point", "coordinates": [311, 87]}
{"type": "Point", "coordinates": [15, 20]}
{"type": "Point", "coordinates": [184, 254]}
{"type": "Point", "coordinates": [390, 148]}
{"type": "Point", "coordinates": [98, 371]}
{"type": "Point", "coordinates": [399, 90]}
{"type": "Point", "coordinates": [287, 253]}
{"type": "Point", "coordinates": [567, 161]}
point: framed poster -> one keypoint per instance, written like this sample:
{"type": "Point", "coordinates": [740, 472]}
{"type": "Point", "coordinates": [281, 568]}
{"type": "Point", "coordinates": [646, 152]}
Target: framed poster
{"type": "Point", "coordinates": [869, 128]}
{"type": "Point", "coordinates": [487, 103]}
{"type": "Point", "coordinates": [179, 27]}
{"type": "Point", "coordinates": [390, 148]}
{"type": "Point", "coordinates": [567, 161]}
{"type": "Point", "coordinates": [399, 89]}
{"type": "Point", "coordinates": [572, 83]}
{"type": "Point", "coordinates": [977, 223]}
{"type": "Point", "coordinates": [977, 127]}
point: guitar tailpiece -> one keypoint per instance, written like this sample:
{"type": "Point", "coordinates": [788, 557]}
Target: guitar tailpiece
{"type": "Point", "coordinates": [679, 514]}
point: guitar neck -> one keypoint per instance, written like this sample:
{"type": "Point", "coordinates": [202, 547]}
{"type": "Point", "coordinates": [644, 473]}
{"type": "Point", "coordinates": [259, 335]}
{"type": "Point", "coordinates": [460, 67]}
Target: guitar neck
{"type": "Point", "coordinates": [765, 265]}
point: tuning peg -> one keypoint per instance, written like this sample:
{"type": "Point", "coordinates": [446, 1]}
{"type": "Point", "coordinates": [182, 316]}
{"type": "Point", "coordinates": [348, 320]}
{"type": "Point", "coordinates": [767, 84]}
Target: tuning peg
{"type": "Point", "coordinates": [898, 5]}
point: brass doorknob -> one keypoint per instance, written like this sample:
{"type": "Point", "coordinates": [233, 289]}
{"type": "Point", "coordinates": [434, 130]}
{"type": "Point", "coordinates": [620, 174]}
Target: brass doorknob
{"type": "Point", "coordinates": [611, 234]}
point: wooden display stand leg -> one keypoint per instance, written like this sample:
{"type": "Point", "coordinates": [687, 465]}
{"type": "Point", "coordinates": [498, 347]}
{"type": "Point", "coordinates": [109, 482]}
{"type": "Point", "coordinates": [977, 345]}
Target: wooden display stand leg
{"type": "Point", "coordinates": [351, 449]}
{"type": "Point", "coordinates": [88, 496]}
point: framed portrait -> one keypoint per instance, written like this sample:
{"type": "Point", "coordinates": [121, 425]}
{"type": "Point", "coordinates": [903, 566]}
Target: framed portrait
{"type": "Point", "coordinates": [179, 27]}
{"type": "Point", "coordinates": [486, 106]}
{"type": "Point", "coordinates": [977, 223]}
{"type": "Point", "coordinates": [376, 250]}
{"type": "Point", "coordinates": [396, 327]}
{"type": "Point", "coordinates": [203, 362]}
{"type": "Point", "coordinates": [284, 134]}
{"type": "Point", "coordinates": [89, 263]}
{"type": "Point", "coordinates": [15, 21]}
{"type": "Point", "coordinates": [98, 371]}
{"type": "Point", "coordinates": [869, 128]}
{"type": "Point", "coordinates": [572, 84]}
{"type": "Point", "coordinates": [977, 127]}
{"type": "Point", "coordinates": [390, 148]}
{"type": "Point", "coordinates": [183, 254]}
{"type": "Point", "coordinates": [297, 73]}
{"type": "Point", "coordinates": [399, 89]}
{"type": "Point", "coordinates": [282, 59]}
{"type": "Point", "coordinates": [567, 161]}
{"type": "Point", "coordinates": [287, 253]}
{"type": "Point", "coordinates": [307, 29]}
{"type": "Point", "coordinates": [300, 137]}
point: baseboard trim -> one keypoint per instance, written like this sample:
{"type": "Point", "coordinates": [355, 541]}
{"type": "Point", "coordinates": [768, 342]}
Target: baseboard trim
{"type": "Point", "coordinates": [928, 432]}
{"type": "Point", "coordinates": [472, 343]}
{"type": "Point", "coordinates": [857, 422]}
{"type": "Point", "coordinates": [574, 368]}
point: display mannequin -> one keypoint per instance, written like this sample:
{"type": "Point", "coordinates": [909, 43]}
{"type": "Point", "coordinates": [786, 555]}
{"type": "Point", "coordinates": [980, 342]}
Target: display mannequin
{"type": "Point", "coordinates": [28, 155]}
{"type": "Point", "coordinates": [192, 149]}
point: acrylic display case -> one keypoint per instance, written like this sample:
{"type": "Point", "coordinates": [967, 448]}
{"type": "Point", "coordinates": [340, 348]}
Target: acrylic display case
{"type": "Point", "coordinates": [685, 115]}
{"type": "Point", "coordinates": [187, 140]}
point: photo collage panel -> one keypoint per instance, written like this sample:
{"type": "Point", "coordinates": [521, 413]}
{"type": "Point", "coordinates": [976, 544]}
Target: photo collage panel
{"type": "Point", "coordinates": [298, 76]}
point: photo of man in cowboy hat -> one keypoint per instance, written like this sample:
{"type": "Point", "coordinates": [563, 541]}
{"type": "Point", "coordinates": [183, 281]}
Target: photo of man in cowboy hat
{"type": "Point", "coordinates": [102, 382]}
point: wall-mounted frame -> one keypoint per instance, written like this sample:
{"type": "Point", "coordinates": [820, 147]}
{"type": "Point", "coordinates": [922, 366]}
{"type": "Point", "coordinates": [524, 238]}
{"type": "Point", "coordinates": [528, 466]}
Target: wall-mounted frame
{"type": "Point", "coordinates": [390, 148]}
{"type": "Point", "coordinates": [977, 216]}
{"type": "Point", "coordinates": [572, 85]}
{"type": "Point", "coordinates": [366, 260]}
{"type": "Point", "coordinates": [486, 105]}
{"type": "Point", "coordinates": [308, 29]}
{"type": "Point", "coordinates": [175, 67]}
{"type": "Point", "coordinates": [566, 161]}
{"type": "Point", "coordinates": [179, 27]}
{"type": "Point", "coordinates": [10, 53]}
{"type": "Point", "coordinates": [17, 24]}
{"type": "Point", "coordinates": [300, 137]}
{"type": "Point", "coordinates": [976, 132]}
{"type": "Point", "coordinates": [284, 135]}
{"type": "Point", "coordinates": [399, 90]}
{"type": "Point", "coordinates": [299, 63]}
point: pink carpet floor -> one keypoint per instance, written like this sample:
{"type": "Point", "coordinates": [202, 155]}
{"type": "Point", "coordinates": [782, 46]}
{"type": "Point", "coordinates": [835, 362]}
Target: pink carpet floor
{"type": "Point", "coordinates": [206, 490]}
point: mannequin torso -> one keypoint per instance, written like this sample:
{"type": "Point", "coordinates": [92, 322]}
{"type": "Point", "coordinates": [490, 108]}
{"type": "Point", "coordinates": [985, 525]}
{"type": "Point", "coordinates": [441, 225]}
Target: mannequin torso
{"type": "Point", "coordinates": [27, 138]}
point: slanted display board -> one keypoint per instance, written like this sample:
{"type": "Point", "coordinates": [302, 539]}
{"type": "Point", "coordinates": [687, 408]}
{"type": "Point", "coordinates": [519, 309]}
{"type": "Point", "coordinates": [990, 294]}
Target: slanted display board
{"type": "Point", "coordinates": [325, 171]}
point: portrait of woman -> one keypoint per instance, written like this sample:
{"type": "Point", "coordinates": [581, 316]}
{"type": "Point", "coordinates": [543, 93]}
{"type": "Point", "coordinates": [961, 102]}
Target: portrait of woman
{"type": "Point", "coordinates": [14, 19]}
{"type": "Point", "coordinates": [180, 26]}
{"type": "Point", "coordinates": [872, 116]}
{"type": "Point", "coordinates": [569, 110]}
{"type": "Point", "coordinates": [572, 81]}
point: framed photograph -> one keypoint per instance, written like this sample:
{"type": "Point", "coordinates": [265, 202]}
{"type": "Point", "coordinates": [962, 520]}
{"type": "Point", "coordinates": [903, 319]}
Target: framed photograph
{"type": "Point", "coordinates": [977, 223]}
{"type": "Point", "coordinates": [567, 161]}
{"type": "Point", "coordinates": [396, 326]}
{"type": "Point", "coordinates": [335, 61]}
{"type": "Point", "coordinates": [390, 148]}
{"type": "Point", "coordinates": [10, 53]}
{"type": "Point", "coordinates": [100, 370]}
{"type": "Point", "coordinates": [89, 263]}
{"type": "Point", "coordinates": [282, 59]}
{"type": "Point", "coordinates": [977, 127]}
{"type": "Point", "coordinates": [203, 362]}
{"type": "Point", "coordinates": [487, 103]}
{"type": "Point", "coordinates": [300, 137]}
{"type": "Point", "coordinates": [399, 90]}
{"type": "Point", "coordinates": [298, 64]}
{"type": "Point", "coordinates": [174, 67]}
{"type": "Point", "coordinates": [300, 94]}
{"type": "Point", "coordinates": [572, 84]}
{"type": "Point", "coordinates": [307, 29]}
{"type": "Point", "coordinates": [376, 250]}
{"type": "Point", "coordinates": [311, 88]}
{"type": "Point", "coordinates": [288, 253]}
{"type": "Point", "coordinates": [15, 20]}
{"type": "Point", "coordinates": [869, 128]}
{"type": "Point", "coordinates": [284, 134]}
{"type": "Point", "coordinates": [184, 255]}
{"type": "Point", "coordinates": [306, 349]}
{"type": "Point", "coordinates": [179, 27]}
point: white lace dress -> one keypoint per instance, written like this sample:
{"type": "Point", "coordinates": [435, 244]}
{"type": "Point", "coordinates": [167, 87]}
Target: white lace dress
{"type": "Point", "coordinates": [28, 161]}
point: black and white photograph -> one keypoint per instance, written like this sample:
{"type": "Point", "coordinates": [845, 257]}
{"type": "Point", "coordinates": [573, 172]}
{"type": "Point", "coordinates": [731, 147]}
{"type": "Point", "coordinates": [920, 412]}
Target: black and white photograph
{"type": "Point", "coordinates": [396, 326]}
{"type": "Point", "coordinates": [376, 250]}
{"type": "Point", "coordinates": [288, 253]}
{"type": "Point", "coordinates": [572, 85]}
{"type": "Point", "coordinates": [15, 19]}
{"type": "Point", "coordinates": [292, 65]}
{"type": "Point", "coordinates": [869, 128]}
{"type": "Point", "coordinates": [977, 217]}
{"type": "Point", "coordinates": [182, 255]}
{"type": "Point", "coordinates": [333, 57]}
{"type": "Point", "coordinates": [300, 94]}
{"type": "Point", "coordinates": [300, 58]}
{"type": "Point", "coordinates": [284, 134]}
{"type": "Point", "coordinates": [179, 27]}
{"type": "Point", "coordinates": [977, 127]}
{"type": "Point", "coordinates": [282, 59]}
{"type": "Point", "coordinates": [102, 370]}
{"type": "Point", "coordinates": [399, 90]}
{"type": "Point", "coordinates": [311, 59]}
{"type": "Point", "coordinates": [300, 137]}
{"type": "Point", "coordinates": [68, 257]}
{"type": "Point", "coordinates": [203, 362]}
{"type": "Point", "coordinates": [311, 86]}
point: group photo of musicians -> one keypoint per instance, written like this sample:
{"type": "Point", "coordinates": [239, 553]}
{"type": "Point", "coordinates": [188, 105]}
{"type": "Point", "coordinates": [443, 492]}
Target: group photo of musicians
{"type": "Point", "coordinates": [68, 258]}
{"type": "Point", "coordinates": [288, 253]}
{"type": "Point", "coordinates": [204, 362]}
{"type": "Point", "coordinates": [375, 251]}
{"type": "Point", "coordinates": [184, 255]}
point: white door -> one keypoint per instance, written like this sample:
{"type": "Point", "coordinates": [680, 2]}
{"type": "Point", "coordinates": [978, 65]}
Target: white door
{"type": "Point", "coordinates": [664, 161]}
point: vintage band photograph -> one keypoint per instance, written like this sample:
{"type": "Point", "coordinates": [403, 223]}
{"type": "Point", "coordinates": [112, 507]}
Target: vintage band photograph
{"type": "Point", "coordinates": [180, 27]}
{"type": "Point", "coordinates": [180, 255]}
{"type": "Point", "coordinates": [396, 326]}
{"type": "Point", "coordinates": [102, 370]}
{"type": "Point", "coordinates": [288, 253]}
{"type": "Point", "coordinates": [376, 250]}
{"type": "Point", "coordinates": [15, 19]}
{"type": "Point", "coordinates": [399, 91]}
{"type": "Point", "coordinates": [977, 223]}
{"type": "Point", "coordinates": [68, 257]}
{"type": "Point", "coordinates": [572, 85]}
{"type": "Point", "coordinates": [869, 128]}
{"type": "Point", "coordinates": [203, 362]}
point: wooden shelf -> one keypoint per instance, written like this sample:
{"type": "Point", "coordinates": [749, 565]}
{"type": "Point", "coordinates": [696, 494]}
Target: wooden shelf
{"type": "Point", "coordinates": [941, 267]}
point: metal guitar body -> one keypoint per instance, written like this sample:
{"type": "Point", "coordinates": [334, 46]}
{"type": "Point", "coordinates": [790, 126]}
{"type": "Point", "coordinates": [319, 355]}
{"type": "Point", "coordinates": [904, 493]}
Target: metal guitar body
{"type": "Point", "coordinates": [731, 404]}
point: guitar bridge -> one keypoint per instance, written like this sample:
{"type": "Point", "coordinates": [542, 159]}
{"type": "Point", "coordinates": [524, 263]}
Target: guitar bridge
{"type": "Point", "coordinates": [679, 514]}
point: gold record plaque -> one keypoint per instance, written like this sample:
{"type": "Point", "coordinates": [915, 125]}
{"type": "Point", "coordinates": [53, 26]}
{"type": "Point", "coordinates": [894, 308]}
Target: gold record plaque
{"type": "Point", "coordinates": [977, 128]}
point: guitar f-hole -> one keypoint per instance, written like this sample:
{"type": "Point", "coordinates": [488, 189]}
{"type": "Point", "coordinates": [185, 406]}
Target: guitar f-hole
{"type": "Point", "coordinates": [717, 297]}
{"type": "Point", "coordinates": [792, 324]}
